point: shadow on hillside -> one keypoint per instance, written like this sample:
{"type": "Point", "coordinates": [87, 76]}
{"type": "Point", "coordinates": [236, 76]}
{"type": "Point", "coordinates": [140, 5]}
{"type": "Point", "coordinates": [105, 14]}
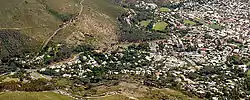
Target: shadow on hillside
{"type": "Point", "coordinates": [14, 43]}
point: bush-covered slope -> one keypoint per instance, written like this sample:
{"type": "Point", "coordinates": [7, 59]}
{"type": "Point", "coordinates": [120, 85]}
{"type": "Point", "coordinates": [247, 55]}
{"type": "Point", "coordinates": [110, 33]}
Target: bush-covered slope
{"type": "Point", "coordinates": [12, 43]}
{"type": "Point", "coordinates": [38, 19]}
{"type": "Point", "coordinates": [32, 20]}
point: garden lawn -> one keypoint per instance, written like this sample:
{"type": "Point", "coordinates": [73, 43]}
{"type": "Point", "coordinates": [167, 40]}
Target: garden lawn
{"type": "Point", "coordinates": [160, 26]}
{"type": "Point", "coordinates": [188, 22]}
{"type": "Point", "coordinates": [215, 26]}
{"type": "Point", "coordinates": [144, 23]}
{"type": "Point", "coordinates": [164, 9]}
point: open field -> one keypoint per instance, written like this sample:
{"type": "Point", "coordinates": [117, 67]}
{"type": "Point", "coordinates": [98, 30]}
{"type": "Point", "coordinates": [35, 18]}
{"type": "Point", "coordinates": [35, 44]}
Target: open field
{"type": "Point", "coordinates": [160, 26]}
{"type": "Point", "coordinates": [33, 96]}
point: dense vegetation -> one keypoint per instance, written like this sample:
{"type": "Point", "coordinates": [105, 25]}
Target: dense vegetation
{"type": "Point", "coordinates": [133, 33]}
{"type": "Point", "coordinates": [33, 85]}
{"type": "Point", "coordinates": [14, 43]}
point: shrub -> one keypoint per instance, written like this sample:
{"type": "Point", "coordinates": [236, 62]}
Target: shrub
{"type": "Point", "coordinates": [33, 85]}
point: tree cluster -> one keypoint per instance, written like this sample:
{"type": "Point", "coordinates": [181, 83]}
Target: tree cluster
{"type": "Point", "coordinates": [33, 85]}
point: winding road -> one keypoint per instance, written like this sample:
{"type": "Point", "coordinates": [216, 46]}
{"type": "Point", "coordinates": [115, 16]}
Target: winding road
{"type": "Point", "coordinates": [62, 27]}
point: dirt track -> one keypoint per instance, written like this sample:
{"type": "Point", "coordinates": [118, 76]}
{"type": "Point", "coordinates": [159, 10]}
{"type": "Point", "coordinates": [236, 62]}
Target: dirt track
{"type": "Point", "coordinates": [62, 27]}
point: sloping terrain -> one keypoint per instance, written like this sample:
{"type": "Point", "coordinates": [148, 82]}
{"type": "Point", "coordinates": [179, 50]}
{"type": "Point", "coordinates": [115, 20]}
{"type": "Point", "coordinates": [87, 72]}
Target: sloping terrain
{"type": "Point", "coordinates": [12, 43]}
{"type": "Point", "coordinates": [30, 13]}
{"type": "Point", "coordinates": [96, 25]}
{"type": "Point", "coordinates": [38, 19]}
{"type": "Point", "coordinates": [132, 91]}
{"type": "Point", "coordinates": [35, 19]}
{"type": "Point", "coordinates": [33, 96]}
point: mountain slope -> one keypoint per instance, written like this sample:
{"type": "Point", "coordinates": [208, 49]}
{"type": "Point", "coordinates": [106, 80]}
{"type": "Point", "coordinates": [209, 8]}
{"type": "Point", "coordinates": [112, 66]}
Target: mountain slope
{"type": "Point", "coordinates": [13, 43]}
{"type": "Point", "coordinates": [96, 25]}
{"type": "Point", "coordinates": [33, 96]}
{"type": "Point", "coordinates": [38, 19]}
{"type": "Point", "coordinates": [30, 18]}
